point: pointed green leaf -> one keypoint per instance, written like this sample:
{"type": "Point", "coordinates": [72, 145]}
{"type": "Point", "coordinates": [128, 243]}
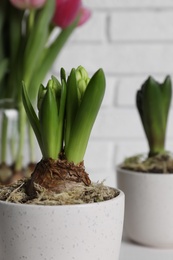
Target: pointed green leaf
{"type": "Point", "coordinates": [16, 16]}
{"type": "Point", "coordinates": [63, 75]}
{"type": "Point", "coordinates": [61, 114]}
{"type": "Point", "coordinates": [3, 67]}
{"type": "Point", "coordinates": [37, 40]}
{"type": "Point", "coordinates": [49, 123]}
{"type": "Point", "coordinates": [50, 54]}
{"type": "Point", "coordinates": [85, 118]}
{"type": "Point", "coordinates": [33, 119]}
{"type": "Point", "coordinates": [72, 103]}
{"type": "Point", "coordinates": [166, 89]}
{"type": "Point", "coordinates": [56, 85]}
{"type": "Point", "coordinates": [153, 116]}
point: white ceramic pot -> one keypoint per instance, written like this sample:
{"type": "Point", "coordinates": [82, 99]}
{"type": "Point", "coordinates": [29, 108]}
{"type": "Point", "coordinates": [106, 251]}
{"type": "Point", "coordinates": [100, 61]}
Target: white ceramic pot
{"type": "Point", "coordinates": [149, 207]}
{"type": "Point", "coordinates": [81, 232]}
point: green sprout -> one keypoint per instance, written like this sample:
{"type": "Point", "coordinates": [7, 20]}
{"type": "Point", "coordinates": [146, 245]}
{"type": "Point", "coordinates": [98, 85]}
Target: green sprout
{"type": "Point", "coordinates": [153, 103]}
{"type": "Point", "coordinates": [67, 110]}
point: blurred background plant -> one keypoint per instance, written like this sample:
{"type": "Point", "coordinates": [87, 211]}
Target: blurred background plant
{"type": "Point", "coordinates": [153, 102]}
{"type": "Point", "coordinates": [28, 49]}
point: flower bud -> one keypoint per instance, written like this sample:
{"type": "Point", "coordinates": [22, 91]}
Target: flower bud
{"type": "Point", "coordinates": [82, 81]}
{"type": "Point", "coordinates": [67, 11]}
{"type": "Point", "coordinates": [85, 14]}
{"type": "Point", "coordinates": [40, 97]}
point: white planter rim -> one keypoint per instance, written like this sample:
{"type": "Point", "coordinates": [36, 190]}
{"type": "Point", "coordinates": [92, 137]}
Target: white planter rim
{"type": "Point", "coordinates": [162, 175]}
{"type": "Point", "coordinates": [89, 205]}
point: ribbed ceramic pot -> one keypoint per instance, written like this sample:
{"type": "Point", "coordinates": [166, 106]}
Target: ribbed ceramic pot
{"type": "Point", "coordinates": [88, 232]}
{"type": "Point", "coordinates": [149, 207]}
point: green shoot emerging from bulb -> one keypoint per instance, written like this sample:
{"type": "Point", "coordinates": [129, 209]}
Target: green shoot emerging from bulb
{"type": "Point", "coordinates": [67, 110]}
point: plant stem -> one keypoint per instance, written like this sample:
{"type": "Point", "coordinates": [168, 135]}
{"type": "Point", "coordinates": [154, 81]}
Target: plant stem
{"type": "Point", "coordinates": [46, 61]}
{"type": "Point", "coordinates": [31, 144]}
{"type": "Point", "coordinates": [21, 127]}
{"type": "Point", "coordinates": [31, 19]}
{"type": "Point", "coordinates": [13, 146]}
{"type": "Point", "coordinates": [4, 137]}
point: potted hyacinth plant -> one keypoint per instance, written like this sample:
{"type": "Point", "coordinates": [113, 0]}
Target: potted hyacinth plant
{"type": "Point", "coordinates": [58, 212]}
{"type": "Point", "coordinates": [147, 180]}
{"type": "Point", "coordinates": [32, 35]}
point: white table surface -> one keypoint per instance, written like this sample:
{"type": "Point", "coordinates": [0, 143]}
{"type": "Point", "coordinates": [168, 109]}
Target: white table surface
{"type": "Point", "coordinates": [132, 251]}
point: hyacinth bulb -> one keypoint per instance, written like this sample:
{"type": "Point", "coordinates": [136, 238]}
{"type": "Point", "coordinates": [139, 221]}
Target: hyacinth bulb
{"type": "Point", "coordinates": [28, 4]}
{"type": "Point", "coordinates": [66, 12]}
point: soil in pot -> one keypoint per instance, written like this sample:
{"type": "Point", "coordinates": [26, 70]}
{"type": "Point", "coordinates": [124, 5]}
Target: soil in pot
{"type": "Point", "coordinates": [161, 163]}
{"type": "Point", "coordinates": [59, 185]}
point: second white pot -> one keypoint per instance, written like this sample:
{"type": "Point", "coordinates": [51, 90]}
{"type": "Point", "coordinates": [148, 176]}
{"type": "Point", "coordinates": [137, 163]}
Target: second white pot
{"type": "Point", "coordinates": [149, 207]}
{"type": "Point", "coordinates": [88, 232]}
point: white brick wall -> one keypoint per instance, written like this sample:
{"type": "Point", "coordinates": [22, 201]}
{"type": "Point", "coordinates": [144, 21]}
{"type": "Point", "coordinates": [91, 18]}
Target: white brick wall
{"type": "Point", "coordinates": [129, 39]}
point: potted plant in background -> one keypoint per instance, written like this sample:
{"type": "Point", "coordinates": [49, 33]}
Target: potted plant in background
{"type": "Point", "coordinates": [28, 48]}
{"type": "Point", "coordinates": [74, 218]}
{"type": "Point", "coordinates": [148, 180]}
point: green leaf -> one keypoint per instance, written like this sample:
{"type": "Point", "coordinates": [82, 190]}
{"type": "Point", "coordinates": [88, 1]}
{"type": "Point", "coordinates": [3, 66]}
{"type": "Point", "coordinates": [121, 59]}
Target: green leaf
{"type": "Point", "coordinates": [56, 85]}
{"type": "Point", "coordinates": [40, 96]}
{"type": "Point", "coordinates": [37, 40]}
{"type": "Point", "coordinates": [16, 16]}
{"type": "Point", "coordinates": [61, 115]}
{"type": "Point", "coordinates": [3, 40]}
{"type": "Point", "coordinates": [72, 104]}
{"type": "Point", "coordinates": [3, 67]}
{"type": "Point", "coordinates": [49, 56]}
{"type": "Point", "coordinates": [166, 89]}
{"type": "Point", "coordinates": [34, 121]}
{"type": "Point", "coordinates": [85, 118]}
{"type": "Point", "coordinates": [4, 138]}
{"type": "Point", "coordinates": [63, 75]}
{"type": "Point", "coordinates": [153, 116]}
{"type": "Point", "coordinates": [49, 123]}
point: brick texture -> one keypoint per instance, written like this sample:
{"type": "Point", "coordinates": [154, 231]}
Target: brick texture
{"type": "Point", "coordinates": [130, 40]}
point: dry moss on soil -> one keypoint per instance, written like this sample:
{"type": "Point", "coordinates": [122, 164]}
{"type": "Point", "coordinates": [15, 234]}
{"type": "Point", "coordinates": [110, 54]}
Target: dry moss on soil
{"type": "Point", "coordinates": [162, 163]}
{"type": "Point", "coordinates": [81, 194]}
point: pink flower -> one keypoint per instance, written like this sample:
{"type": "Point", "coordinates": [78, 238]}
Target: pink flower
{"type": "Point", "coordinates": [28, 4]}
{"type": "Point", "coordinates": [84, 15]}
{"type": "Point", "coordinates": [66, 12]}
